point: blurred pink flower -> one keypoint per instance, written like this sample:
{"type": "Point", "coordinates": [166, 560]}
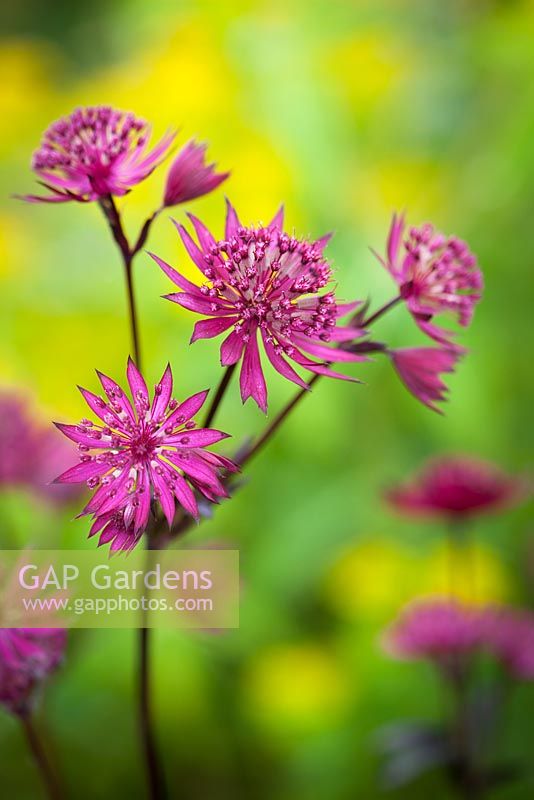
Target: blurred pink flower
{"type": "Point", "coordinates": [419, 368]}
{"type": "Point", "coordinates": [262, 279]}
{"type": "Point", "coordinates": [27, 657]}
{"type": "Point", "coordinates": [509, 636]}
{"type": "Point", "coordinates": [95, 152]}
{"type": "Point", "coordinates": [434, 274]}
{"type": "Point", "coordinates": [456, 487]}
{"type": "Point", "coordinates": [144, 450]}
{"type": "Point", "coordinates": [189, 176]}
{"type": "Point", "coordinates": [445, 631]}
{"type": "Point", "coordinates": [30, 454]}
{"type": "Point", "coordinates": [436, 630]}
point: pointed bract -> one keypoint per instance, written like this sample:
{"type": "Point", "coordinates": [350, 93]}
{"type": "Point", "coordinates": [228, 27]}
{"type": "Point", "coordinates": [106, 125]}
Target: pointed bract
{"type": "Point", "coordinates": [190, 177]}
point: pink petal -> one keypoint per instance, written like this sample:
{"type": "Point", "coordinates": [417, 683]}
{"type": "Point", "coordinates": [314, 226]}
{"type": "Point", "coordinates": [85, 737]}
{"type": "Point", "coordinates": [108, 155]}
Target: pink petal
{"type": "Point", "coordinates": [200, 304]}
{"type": "Point", "coordinates": [232, 221]}
{"type": "Point", "coordinates": [208, 328]}
{"type": "Point", "coordinates": [251, 379]}
{"type": "Point", "coordinates": [138, 388]}
{"type": "Point", "coordinates": [162, 394]}
{"type": "Point", "coordinates": [187, 409]}
{"type": "Point", "coordinates": [279, 363]}
{"type": "Point", "coordinates": [277, 222]}
{"type": "Point", "coordinates": [185, 496]}
{"type": "Point", "coordinates": [201, 437]}
{"type": "Point", "coordinates": [232, 349]}
{"type": "Point", "coordinates": [175, 276]}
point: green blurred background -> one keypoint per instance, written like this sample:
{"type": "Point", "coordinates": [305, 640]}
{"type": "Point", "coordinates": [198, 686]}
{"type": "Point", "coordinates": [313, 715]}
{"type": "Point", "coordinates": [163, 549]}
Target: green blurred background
{"type": "Point", "coordinates": [345, 111]}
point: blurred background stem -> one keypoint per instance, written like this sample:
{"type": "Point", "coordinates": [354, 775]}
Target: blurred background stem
{"type": "Point", "coordinates": [40, 757]}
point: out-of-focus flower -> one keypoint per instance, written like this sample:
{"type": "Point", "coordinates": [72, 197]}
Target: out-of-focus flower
{"type": "Point", "coordinates": [190, 177]}
{"type": "Point", "coordinates": [437, 630]}
{"type": "Point", "coordinates": [95, 152]}
{"type": "Point", "coordinates": [419, 368]}
{"type": "Point", "coordinates": [509, 635]}
{"type": "Point", "coordinates": [30, 455]}
{"type": "Point", "coordinates": [443, 631]}
{"type": "Point", "coordinates": [143, 450]}
{"type": "Point", "coordinates": [434, 274]}
{"type": "Point", "coordinates": [27, 657]}
{"type": "Point", "coordinates": [262, 279]}
{"type": "Point", "coordinates": [456, 487]}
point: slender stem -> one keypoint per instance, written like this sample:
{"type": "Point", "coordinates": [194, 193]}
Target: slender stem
{"type": "Point", "coordinates": [133, 313]}
{"type": "Point", "coordinates": [156, 781]}
{"type": "Point", "coordinates": [145, 230]}
{"type": "Point", "coordinates": [380, 312]}
{"type": "Point", "coordinates": [114, 220]}
{"type": "Point", "coordinates": [219, 394]}
{"type": "Point", "coordinates": [41, 759]}
{"type": "Point", "coordinates": [277, 421]}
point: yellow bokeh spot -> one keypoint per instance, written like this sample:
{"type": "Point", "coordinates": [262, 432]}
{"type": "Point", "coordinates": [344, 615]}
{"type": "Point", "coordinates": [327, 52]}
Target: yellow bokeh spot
{"type": "Point", "coordinates": [365, 67]}
{"type": "Point", "coordinates": [471, 572]}
{"type": "Point", "coordinates": [371, 579]}
{"type": "Point", "coordinates": [299, 685]}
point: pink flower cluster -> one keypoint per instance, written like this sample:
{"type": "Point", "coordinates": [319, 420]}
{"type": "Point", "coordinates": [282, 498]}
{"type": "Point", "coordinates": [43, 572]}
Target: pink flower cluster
{"type": "Point", "coordinates": [262, 282]}
{"type": "Point", "coordinates": [445, 632]}
{"type": "Point", "coordinates": [27, 657]}
{"type": "Point", "coordinates": [434, 274]}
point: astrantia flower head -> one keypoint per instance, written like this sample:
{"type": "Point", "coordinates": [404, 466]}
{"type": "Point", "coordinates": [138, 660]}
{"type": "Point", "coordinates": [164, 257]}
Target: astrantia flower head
{"type": "Point", "coordinates": [142, 451]}
{"type": "Point", "coordinates": [27, 657]}
{"type": "Point", "coordinates": [190, 177]}
{"type": "Point", "coordinates": [95, 152]}
{"type": "Point", "coordinates": [456, 487]}
{"type": "Point", "coordinates": [435, 274]}
{"type": "Point", "coordinates": [420, 368]}
{"type": "Point", "coordinates": [438, 630]}
{"type": "Point", "coordinates": [261, 281]}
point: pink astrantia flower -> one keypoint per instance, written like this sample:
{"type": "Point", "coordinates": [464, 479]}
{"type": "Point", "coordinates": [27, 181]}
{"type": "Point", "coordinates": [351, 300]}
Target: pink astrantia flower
{"type": "Point", "coordinates": [143, 450]}
{"type": "Point", "coordinates": [190, 177]}
{"type": "Point", "coordinates": [438, 630]}
{"type": "Point", "coordinates": [30, 454]}
{"type": "Point", "coordinates": [95, 152]}
{"type": "Point", "coordinates": [509, 636]}
{"type": "Point", "coordinates": [27, 657]}
{"type": "Point", "coordinates": [435, 274]}
{"type": "Point", "coordinates": [456, 487]}
{"type": "Point", "coordinates": [420, 368]}
{"type": "Point", "coordinates": [263, 281]}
